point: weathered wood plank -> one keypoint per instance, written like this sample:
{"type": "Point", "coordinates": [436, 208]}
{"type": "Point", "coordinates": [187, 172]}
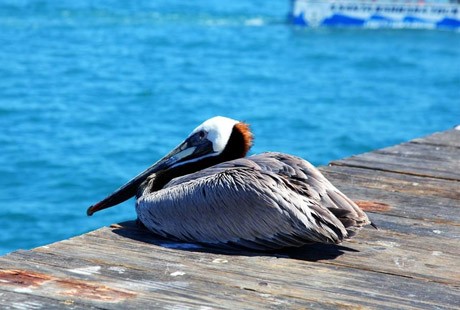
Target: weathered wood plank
{"type": "Point", "coordinates": [98, 283]}
{"type": "Point", "coordinates": [401, 195]}
{"type": "Point", "coordinates": [388, 181]}
{"type": "Point", "coordinates": [243, 276]}
{"type": "Point", "coordinates": [383, 251]}
{"type": "Point", "coordinates": [233, 289]}
{"type": "Point", "coordinates": [417, 159]}
{"type": "Point", "coordinates": [22, 300]}
{"type": "Point", "coordinates": [445, 138]}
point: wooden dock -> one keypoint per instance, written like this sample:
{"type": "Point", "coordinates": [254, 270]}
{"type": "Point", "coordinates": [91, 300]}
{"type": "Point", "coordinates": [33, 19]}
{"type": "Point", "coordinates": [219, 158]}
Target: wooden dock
{"type": "Point", "coordinates": [411, 191]}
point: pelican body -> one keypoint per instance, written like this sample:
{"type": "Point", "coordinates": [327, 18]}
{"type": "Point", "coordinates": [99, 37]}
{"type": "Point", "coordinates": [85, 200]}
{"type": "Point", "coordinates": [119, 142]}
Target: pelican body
{"type": "Point", "coordinates": [207, 191]}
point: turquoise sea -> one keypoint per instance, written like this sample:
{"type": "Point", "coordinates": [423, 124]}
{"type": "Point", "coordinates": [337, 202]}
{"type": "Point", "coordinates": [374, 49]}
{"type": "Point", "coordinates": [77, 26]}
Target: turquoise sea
{"type": "Point", "coordinates": [93, 92]}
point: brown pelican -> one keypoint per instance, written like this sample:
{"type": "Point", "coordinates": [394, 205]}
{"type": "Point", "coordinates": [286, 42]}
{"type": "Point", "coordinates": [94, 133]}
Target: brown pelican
{"type": "Point", "coordinates": [207, 191]}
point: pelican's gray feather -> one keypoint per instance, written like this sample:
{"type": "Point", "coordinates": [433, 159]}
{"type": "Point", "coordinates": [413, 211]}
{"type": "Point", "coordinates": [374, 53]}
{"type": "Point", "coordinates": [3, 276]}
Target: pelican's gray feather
{"type": "Point", "coordinates": [266, 201]}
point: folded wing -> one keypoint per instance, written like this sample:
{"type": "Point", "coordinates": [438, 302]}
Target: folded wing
{"type": "Point", "coordinates": [265, 201]}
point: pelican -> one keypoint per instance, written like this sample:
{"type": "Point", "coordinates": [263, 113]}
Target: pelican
{"type": "Point", "coordinates": [206, 191]}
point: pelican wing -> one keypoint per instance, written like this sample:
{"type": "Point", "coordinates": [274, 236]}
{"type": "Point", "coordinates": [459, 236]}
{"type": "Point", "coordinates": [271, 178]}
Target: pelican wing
{"type": "Point", "coordinates": [246, 202]}
{"type": "Point", "coordinates": [306, 180]}
{"type": "Point", "coordinates": [301, 177]}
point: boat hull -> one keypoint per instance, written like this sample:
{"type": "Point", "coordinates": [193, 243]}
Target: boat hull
{"type": "Point", "coordinates": [376, 14]}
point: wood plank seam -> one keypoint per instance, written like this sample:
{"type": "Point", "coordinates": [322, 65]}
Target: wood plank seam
{"type": "Point", "coordinates": [452, 284]}
{"type": "Point", "coordinates": [432, 144]}
{"type": "Point", "coordinates": [343, 164]}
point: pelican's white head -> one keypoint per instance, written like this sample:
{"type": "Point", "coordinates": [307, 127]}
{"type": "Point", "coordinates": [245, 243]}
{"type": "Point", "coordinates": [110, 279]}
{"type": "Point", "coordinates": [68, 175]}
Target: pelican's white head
{"type": "Point", "coordinates": [217, 130]}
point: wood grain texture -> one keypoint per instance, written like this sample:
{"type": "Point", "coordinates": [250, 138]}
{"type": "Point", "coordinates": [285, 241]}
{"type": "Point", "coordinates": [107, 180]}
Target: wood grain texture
{"type": "Point", "coordinates": [434, 156]}
{"type": "Point", "coordinates": [411, 191]}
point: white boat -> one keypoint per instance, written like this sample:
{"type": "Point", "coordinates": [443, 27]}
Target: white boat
{"type": "Point", "coordinates": [376, 14]}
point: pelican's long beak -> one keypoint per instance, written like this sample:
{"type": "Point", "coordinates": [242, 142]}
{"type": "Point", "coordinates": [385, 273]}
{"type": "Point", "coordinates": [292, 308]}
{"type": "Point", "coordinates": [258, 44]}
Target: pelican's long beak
{"type": "Point", "coordinates": [186, 151]}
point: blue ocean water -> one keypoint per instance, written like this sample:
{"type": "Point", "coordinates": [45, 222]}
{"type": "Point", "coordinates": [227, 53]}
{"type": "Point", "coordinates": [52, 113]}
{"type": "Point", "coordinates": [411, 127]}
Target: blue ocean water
{"type": "Point", "coordinates": [93, 92]}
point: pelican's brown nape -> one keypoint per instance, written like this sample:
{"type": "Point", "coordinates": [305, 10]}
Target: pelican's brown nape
{"type": "Point", "coordinates": [207, 191]}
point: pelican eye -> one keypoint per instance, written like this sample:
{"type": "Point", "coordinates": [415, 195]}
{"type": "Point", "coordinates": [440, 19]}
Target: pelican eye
{"type": "Point", "coordinates": [198, 137]}
{"type": "Point", "coordinates": [202, 134]}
